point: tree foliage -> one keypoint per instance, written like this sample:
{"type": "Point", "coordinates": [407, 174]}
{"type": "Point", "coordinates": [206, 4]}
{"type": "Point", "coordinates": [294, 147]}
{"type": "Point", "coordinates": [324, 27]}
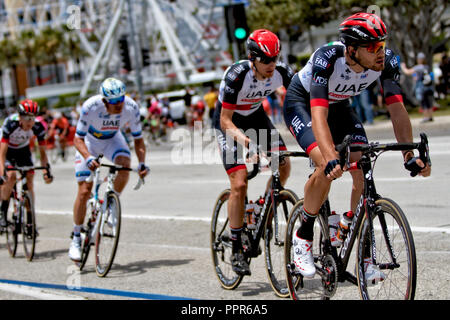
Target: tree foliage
{"type": "Point", "coordinates": [414, 25]}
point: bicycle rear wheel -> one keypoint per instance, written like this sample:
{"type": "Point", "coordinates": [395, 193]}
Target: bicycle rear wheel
{"type": "Point", "coordinates": [221, 248]}
{"type": "Point", "coordinates": [274, 239]}
{"type": "Point", "coordinates": [323, 284]}
{"type": "Point", "coordinates": [394, 251]}
{"type": "Point", "coordinates": [107, 237]}
{"type": "Point", "coordinates": [28, 223]}
{"type": "Point", "coordinates": [12, 229]}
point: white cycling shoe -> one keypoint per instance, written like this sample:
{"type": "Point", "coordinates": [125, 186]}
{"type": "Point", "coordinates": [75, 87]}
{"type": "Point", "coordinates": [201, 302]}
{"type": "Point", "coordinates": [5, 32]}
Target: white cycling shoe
{"type": "Point", "coordinates": [303, 258]}
{"type": "Point", "coordinates": [372, 273]}
{"type": "Point", "coordinates": [75, 250]}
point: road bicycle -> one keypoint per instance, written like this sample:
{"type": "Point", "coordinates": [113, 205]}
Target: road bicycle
{"type": "Point", "coordinates": [104, 217]}
{"type": "Point", "coordinates": [268, 221]}
{"type": "Point", "coordinates": [21, 218]}
{"type": "Point", "coordinates": [379, 228]}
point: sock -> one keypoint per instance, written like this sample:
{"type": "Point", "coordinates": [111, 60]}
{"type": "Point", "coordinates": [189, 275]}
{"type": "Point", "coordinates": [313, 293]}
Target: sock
{"type": "Point", "coordinates": [4, 207]}
{"type": "Point", "coordinates": [236, 239]}
{"type": "Point", "coordinates": [306, 230]}
{"type": "Point", "coordinates": [76, 230]}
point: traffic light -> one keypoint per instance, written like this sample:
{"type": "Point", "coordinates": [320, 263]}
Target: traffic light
{"type": "Point", "coordinates": [124, 53]}
{"type": "Point", "coordinates": [236, 21]}
{"type": "Point", "coordinates": [145, 57]}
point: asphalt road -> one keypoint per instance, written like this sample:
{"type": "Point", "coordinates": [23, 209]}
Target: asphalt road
{"type": "Point", "coordinates": [164, 247]}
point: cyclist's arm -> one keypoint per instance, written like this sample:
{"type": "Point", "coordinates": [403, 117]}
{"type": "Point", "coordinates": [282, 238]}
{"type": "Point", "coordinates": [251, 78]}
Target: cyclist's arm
{"type": "Point", "coordinates": [3, 150]}
{"type": "Point", "coordinates": [140, 150]}
{"type": "Point", "coordinates": [230, 128]}
{"type": "Point", "coordinates": [80, 145]}
{"type": "Point", "coordinates": [394, 102]}
{"type": "Point", "coordinates": [320, 103]}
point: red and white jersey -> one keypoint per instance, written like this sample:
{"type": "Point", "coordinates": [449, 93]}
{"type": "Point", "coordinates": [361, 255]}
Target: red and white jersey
{"type": "Point", "coordinates": [241, 91]}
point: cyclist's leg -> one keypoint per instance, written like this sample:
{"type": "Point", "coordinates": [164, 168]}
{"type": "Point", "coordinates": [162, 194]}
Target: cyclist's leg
{"type": "Point", "coordinates": [234, 165]}
{"type": "Point", "coordinates": [118, 152]}
{"type": "Point", "coordinates": [82, 172]}
{"type": "Point", "coordinates": [6, 189]}
{"type": "Point", "coordinates": [347, 122]}
{"type": "Point", "coordinates": [271, 140]}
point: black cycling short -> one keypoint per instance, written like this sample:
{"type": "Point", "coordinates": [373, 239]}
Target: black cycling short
{"type": "Point", "coordinates": [342, 118]}
{"type": "Point", "coordinates": [257, 126]}
{"type": "Point", "coordinates": [19, 157]}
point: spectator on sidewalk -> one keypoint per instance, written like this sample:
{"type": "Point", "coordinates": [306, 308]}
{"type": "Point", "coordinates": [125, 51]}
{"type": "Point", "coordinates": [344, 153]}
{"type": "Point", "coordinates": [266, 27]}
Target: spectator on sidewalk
{"type": "Point", "coordinates": [445, 68]}
{"type": "Point", "coordinates": [424, 87]}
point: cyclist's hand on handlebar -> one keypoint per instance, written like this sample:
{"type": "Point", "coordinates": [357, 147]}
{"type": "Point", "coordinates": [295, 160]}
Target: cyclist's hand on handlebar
{"type": "Point", "coordinates": [92, 163]}
{"type": "Point", "coordinates": [254, 152]}
{"type": "Point", "coordinates": [416, 166]}
{"type": "Point", "coordinates": [143, 170]}
{"type": "Point", "coordinates": [333, 169]}
{"type": "Point", "coordinates": [48, 178]}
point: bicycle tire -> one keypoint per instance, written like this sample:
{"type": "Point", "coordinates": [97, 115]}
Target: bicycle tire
{"type": "Point", "coordinates": [299, 287]}
{"type": "Point", "coordinates": [221, 244]}
{"type": "Point", "coordinates": [108, 234]}
{"type": "Point", "coordinates": [86, 235]}
{"type": "Point", "coordinates": [28, 225]}
{"type": "Point", "coordinates": [12, 229]}
{"type": "Point", "coordinates": [274, 242]}
{"type": "Point", "coordinates": [399, 236]}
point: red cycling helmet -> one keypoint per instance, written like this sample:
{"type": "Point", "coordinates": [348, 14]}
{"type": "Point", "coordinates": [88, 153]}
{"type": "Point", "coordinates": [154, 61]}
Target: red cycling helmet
{"type": "Point", "coordinates": [362, 28]}
{"type": "Point", "coordinates": [263, 44]}
{"type": "Point", "coordinates": [28, 107]}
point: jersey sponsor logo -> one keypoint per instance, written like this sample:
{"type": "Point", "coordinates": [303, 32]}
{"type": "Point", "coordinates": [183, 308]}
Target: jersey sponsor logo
{"type": "Point", "coordinates": [350, 88]}
{"type": "Point", "coordinates": [297, 125]}
{"type": "Point", "coordinates": [330, 53]}
{"type": "Point", "coordinates": [259, 94]}
{"type": "Point", "coordinates": [339, 96]}
{"type": "Point", "coordinates": [320, 62]}
{"type": "Point", "coordinates": [321, 81]}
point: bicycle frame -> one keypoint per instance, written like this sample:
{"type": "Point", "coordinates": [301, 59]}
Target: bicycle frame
{"type": "Point", "coordinates": [270, 198]}
{"type": "Point", "coordinates": [367, 201]}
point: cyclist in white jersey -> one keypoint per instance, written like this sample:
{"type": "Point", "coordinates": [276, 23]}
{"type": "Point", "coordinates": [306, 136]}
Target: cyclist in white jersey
{"type": "Point", "coordinates": [98, 132]}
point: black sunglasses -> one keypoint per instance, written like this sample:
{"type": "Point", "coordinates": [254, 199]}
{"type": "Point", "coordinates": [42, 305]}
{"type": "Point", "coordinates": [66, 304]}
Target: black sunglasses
{"type": "Point", "coordinates": [267, 60]}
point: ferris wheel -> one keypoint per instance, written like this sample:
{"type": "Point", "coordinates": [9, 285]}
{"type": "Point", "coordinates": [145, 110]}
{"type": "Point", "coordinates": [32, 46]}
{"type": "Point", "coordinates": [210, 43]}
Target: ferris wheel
{"type": "Point", "coordinates": [168, 42]}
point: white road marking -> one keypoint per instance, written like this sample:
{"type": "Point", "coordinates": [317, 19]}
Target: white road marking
{"type": "Point", "coordinates": [208, 220]}
{"type": "Point", "coordinates": [36, 292]}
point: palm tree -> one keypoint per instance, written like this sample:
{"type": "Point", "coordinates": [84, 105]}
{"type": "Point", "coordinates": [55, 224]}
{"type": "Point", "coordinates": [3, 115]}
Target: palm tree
{"type": "Point", "coordinates": [26, 41]}
{"type": "Point", "coordinates": [73, 49]}
{"type": "Point", "coordinates": [51, 43]}
{"type": "Point", "coordinates": [10, 54]}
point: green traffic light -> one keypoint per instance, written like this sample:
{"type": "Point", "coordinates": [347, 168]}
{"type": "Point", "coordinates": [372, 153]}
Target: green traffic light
{"type": "Point", "coordinates": [240, 33]}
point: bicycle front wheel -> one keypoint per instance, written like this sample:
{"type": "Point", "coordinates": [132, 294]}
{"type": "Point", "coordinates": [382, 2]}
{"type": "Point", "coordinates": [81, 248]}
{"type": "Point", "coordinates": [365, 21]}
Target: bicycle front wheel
{"type": "Point", "coordinates": [274, 238]}
{"type": "Point", "coordinates": [391, 243]}
{"type": "Point", "coordinates": [28, 223]}
{"type": "Point", "coordinates": [107, 237]}
{"type": "Point", "coordinates": [12, 229]}
{"type": "Point", "coordinates": [221, 248]}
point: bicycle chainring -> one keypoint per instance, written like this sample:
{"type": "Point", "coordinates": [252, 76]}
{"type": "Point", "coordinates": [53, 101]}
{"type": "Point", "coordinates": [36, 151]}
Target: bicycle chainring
{"type": "Point", "coordinates": [330, 281]}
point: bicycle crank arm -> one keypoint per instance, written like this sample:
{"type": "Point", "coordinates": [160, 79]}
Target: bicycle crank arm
{"type": "Point", "coordinates": [389, 266]}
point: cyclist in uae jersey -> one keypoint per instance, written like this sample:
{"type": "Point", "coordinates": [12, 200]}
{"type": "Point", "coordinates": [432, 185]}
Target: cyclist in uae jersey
{"type": "Point", "coordinates": [240, 121]}
{"type": "Point", "coordinates": [98, 132]}
{"type": "Point", "coordinates": [15, 150]}
{"type": "Point", "coordinates": [318, 114]}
